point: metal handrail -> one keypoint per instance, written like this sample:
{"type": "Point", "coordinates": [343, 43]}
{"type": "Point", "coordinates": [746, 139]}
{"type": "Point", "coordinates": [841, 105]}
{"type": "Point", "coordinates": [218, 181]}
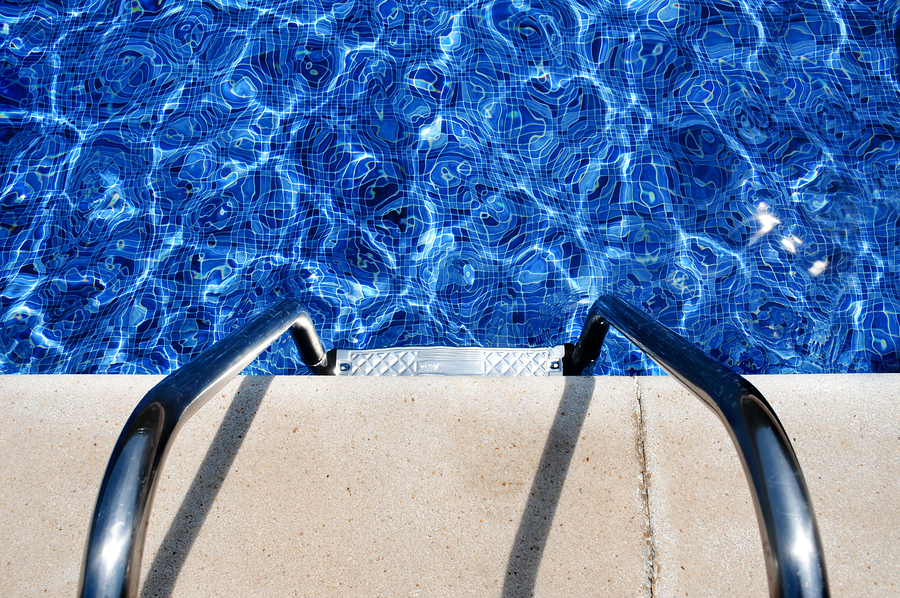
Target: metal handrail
{"type": "Point", "coordinates": [791, 542]}
{"type": "Point", "coordinates": [115, 542]}
{"type": "Point", "coordinates": [787, 524]}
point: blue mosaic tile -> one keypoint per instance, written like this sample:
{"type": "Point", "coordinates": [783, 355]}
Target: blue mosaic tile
{"type": "Point", "coordinates": [439, 172]}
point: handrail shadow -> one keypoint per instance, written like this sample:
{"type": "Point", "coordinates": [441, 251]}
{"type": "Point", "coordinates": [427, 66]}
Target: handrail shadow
{"type": "Point", "coordinates": [114, 550]}
{"type": "Point", "coordinates": [543, 497]}
{"type": "Point", "coordinates": [185, 527]}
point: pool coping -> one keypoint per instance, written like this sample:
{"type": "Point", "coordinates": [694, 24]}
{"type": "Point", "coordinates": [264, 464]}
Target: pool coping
{"type": "Point", "coordinates": [653, 501]}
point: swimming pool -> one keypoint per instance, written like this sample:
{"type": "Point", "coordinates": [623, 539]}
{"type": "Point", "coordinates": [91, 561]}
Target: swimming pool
{"type": "Point", "coordinates": [425, 173]}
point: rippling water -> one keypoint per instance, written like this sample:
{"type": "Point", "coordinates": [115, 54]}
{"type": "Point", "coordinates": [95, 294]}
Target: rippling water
{"type": "Point", "coordinates": [449, 173]}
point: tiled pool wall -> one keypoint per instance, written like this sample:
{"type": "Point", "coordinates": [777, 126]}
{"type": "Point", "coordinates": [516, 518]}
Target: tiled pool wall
{"type": "Point", "coordinates": [449, 173]}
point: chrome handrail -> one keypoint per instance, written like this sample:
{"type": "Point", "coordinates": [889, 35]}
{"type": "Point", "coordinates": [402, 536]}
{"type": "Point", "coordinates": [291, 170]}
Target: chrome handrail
{"type": "Point", "coordinates": [115, 542]}
{"type": "Point", "coordinates": [791, 543]}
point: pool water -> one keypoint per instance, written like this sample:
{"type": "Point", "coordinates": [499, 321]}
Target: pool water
{"type": "Point", "coordinates": [446, 173]}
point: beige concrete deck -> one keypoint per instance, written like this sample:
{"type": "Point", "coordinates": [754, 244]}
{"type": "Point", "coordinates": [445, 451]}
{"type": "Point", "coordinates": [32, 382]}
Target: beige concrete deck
{"type": "Point", "coordinates": [449, 487]}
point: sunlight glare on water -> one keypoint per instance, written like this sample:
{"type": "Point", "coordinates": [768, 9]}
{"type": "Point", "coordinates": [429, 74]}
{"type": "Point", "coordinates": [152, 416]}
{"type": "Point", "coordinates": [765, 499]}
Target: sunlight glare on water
{"type": "Point", "coordinates": [449, 173]}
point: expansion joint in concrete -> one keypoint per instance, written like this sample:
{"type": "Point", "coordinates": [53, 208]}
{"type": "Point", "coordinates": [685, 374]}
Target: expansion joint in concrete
{"type": "Point", "coordinates": [649, 538]}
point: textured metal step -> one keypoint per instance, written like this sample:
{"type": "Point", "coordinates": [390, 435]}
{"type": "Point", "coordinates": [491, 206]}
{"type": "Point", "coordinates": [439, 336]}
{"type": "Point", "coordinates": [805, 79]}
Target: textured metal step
{"type": "Point", "coordinates": [450, 361]}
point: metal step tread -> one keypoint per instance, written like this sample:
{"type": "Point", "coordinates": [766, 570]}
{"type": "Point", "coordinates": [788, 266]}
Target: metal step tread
{"type": "Point", "coordinates": [450, 361]}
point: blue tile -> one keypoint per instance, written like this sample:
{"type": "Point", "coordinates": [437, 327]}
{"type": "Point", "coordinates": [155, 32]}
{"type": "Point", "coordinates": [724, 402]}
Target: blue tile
{"type": "Point", "coordinates": [449, 173]}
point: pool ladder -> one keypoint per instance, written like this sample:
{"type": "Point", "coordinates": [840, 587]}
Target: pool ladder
{"type": "Point", "coordinates": [791, 543]}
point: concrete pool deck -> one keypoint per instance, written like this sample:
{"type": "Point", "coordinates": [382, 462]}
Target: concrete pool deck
{"type": "Point", "coordinates": [299, 486]}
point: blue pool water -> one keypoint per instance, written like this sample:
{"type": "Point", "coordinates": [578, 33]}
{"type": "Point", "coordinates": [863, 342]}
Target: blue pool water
{"type": "Point", "coordinates": [424, 172]}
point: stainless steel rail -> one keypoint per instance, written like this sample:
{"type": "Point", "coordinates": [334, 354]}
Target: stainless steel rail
{"type": "Point", "coordinates": [115, 543]}
{"type": "Point", "coordinates": [787, 523]}
{"type": "Point", "coordinates": [790, 538]}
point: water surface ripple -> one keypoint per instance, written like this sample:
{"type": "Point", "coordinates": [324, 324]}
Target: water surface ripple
{"type": "Point", "coordinates": [438, 172]}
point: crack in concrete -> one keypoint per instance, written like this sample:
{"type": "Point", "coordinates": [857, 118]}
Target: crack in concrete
{"type": "Point", "coordinates": [649, 538]}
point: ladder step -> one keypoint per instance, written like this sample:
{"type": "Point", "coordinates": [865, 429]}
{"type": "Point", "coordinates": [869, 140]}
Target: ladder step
{"type": "Point", "coordinates": [450, 361]}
